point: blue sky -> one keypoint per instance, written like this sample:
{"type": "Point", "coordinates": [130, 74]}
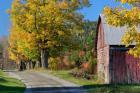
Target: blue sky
{"type": "Point", "coordinates": [90, 13]}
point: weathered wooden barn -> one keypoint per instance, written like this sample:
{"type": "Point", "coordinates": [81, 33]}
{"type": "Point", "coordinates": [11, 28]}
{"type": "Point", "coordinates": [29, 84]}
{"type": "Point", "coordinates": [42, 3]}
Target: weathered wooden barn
{"type": "Point", "coordinates": [114, 64]}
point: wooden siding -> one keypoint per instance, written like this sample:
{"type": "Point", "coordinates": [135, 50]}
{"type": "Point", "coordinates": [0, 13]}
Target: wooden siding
{"type": "Point", "coordinates": [123, 67]}
{"type": "Point", "coordinates": [102, 57]}
{"type": "Point", "coordinates": [100, 40]}
{"type": "Point", "coordinates": [103, 64]}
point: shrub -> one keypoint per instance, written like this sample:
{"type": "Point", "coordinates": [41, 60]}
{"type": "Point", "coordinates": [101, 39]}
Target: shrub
{"type": "Point", "coordinates": [53, 63]}
{"type": "Point", "coordinates": [92, 65]}
{"type": "Point", "coordinates": [81, 73]}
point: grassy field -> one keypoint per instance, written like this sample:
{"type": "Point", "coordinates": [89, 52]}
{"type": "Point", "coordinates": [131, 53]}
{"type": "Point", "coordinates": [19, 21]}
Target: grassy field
{"type": "Point", "coordinates": [102, 88]}
{"type": "Point", "coordinates": [92, 86]}
{"type": "Point", "coordinates": [10, 85]}
{"type": "Point", "coordinates": [64, 74]}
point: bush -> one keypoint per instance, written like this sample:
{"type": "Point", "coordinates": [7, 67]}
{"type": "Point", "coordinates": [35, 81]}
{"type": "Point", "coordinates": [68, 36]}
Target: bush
{"type": "Point", "coordinates": [81, 73]}
{"type": "Point", "coordinates": [92, 65]}
{"type": "Point", "coordinates": [53, 63]}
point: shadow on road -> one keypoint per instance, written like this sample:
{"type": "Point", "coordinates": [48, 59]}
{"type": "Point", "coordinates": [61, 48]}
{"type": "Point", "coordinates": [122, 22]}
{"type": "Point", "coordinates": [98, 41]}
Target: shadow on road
{"type": "Point", "coordinates": [97, 88]}
{"type": "Point", "coordinates": [10, 70]}
{"type": "Point", "coordinates": [56, 90]}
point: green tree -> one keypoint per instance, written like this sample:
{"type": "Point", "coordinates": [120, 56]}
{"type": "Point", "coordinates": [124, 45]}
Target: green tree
{"type": "Point", "coordinates": [86, 42]}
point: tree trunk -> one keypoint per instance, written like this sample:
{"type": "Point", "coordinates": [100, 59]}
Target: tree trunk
{"type": "Point", "coordinates": [30, 65]}
{"type": "Point", "coordinates": [44, 58]}
{"type": "Point", "coordinates": [39, 65]}
{"type": "Point", "coordinates": [22, 66]}
{"type": "Point", "coordinates": [34, 64]}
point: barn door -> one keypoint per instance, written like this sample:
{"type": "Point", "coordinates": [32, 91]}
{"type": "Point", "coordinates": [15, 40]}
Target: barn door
{"type": "Point", "coordinates": [133, 69]}
{"type": "Point", "coordinates": [118, 67]}
{"type": "Point", "coordinates": [124, 68]}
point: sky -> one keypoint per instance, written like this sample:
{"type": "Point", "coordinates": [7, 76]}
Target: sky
{"type": "Point", "coordinates": [90, 13]}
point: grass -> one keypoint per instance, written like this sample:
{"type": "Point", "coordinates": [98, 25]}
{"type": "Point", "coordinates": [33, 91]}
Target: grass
{"type": "Point", "coordinates": [10, 85]}
{"type": "Point", "coordinates": [64, 74]}
{"type": "Point", "coordinates": [119, 88]}
{"type": "Point", "coordinates": [92, 86]}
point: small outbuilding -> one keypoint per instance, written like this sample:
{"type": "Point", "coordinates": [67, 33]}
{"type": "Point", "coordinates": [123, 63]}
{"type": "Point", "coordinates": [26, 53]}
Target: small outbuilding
{"type": "Point", "coordinates": [114, 64]}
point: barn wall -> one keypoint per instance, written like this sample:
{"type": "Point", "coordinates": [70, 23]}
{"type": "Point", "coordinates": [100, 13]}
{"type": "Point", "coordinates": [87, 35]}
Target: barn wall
{"type": "Point", "coordinates": [100, 37]}
{"type": "Point", "coordinates": [102, 57]}
{"type": "Point", "coordinates": [124, 68]}
{"type": "Point", "coordinates": [103, 63]}
{"type": "Point", "coordinates": [133, 69]}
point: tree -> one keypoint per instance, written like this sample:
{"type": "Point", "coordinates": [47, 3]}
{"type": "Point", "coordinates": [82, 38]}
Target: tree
{"type": "Point", "coordinates": [86, 41]}
{"type": "Point", "coordinates": [54, 23]}
{"type": "Point", "coordinates": [4, 56]}
{"type": "Point", "coordinates": [22, 46]}
{"type": "Point", "coordinates": [123, 16]}
{"type": "Point", "coordinates": [1, 48]}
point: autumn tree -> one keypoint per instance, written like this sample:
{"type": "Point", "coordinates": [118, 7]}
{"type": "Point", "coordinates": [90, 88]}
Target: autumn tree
{"type": "Point", "coordinates": [128, 17]}
{"type": "Point", "coordinates": [22, 46]}
{"type": "Point", "coordinates": [53, 22]}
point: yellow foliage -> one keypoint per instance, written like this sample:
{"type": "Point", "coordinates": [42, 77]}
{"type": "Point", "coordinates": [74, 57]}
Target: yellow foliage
{"type": "Point", "coordinates": [43, 24]}
{"type": "Point", "coordinates": [18, 41]}
{"type": "Point", "coordinates": [127, 17]}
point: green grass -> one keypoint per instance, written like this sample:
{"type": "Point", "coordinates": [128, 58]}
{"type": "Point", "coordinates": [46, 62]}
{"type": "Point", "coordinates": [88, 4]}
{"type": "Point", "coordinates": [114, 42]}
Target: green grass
{"type": "Point", "coordinates": [64, 74]}
{"type": "Point", "coordinates": [92, 86]}
{"type": "Point", "coordinates": [10, 85]}
{"type": "Point", "coordinates": [102, 88]}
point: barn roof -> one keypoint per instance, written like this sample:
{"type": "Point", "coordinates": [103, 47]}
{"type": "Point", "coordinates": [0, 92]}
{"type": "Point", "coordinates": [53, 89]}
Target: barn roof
{"type": "Point", "coordinates": [112, 34]}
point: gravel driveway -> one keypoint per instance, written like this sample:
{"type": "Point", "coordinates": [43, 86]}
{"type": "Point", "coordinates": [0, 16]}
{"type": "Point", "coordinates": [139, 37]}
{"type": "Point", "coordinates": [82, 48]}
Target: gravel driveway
{"type": "Point", "coordinates": [39, 82]}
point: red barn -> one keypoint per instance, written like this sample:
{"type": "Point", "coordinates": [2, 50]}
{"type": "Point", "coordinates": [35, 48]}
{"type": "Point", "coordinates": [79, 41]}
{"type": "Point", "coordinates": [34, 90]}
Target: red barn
{"type": "Point", "coordinates": [114, 64]}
